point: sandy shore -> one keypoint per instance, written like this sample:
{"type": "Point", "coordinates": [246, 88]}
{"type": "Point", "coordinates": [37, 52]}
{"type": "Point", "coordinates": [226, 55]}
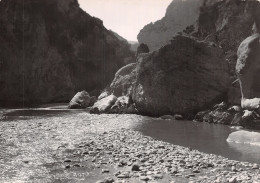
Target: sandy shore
{"type": "Point", "coordinates": [83, 147]}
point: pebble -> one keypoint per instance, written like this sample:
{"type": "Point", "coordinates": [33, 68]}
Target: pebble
{"type": "Point", "coordinates": [135, 167]}
{"type": "Point", "coordinates": [67, 167]}
{"type": "Point", "coordinates": [67, 161]}
{"type": "Point", "coordinates": [106, 180]}
{"type": "Point", "coordinates": [104, 171]}
{"type": "Point", "coordinates": [158, 176]}
{"type": "Point", "coordinates": [76, 165]}
{"type": "Point", "coordinates": [232, 180]}
{"type": "Point", "coordinates": [255, 166]}
{"type": "Point", "coordinates": [196, 171]}
{"type": "Point", "coordinates": [144, 178]}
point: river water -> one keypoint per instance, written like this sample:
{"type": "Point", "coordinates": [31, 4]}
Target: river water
{"type": "Point", "coordinates": [208, 138]}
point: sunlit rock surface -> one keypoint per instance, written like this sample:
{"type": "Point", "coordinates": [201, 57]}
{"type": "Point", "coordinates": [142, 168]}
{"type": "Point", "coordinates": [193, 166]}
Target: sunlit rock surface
{"type": "Point", "coordinates": [245, 137]}
{"type": "Point", "coordinates": [80, 101]}
{"type": "Point", "coordinates": [104, 104]}
{"type": "Point", "coordinates": [248, 71]}
{"type": "Point", "coordinates": [124, 81]}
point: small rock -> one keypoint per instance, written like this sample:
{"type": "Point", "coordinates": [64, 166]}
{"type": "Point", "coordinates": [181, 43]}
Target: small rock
{"type": "Point", "coordinates": [105, 171]}
{"type": "Point", "coordinates": [233, 168]}
{"type": "Point", "coordinates": [158, 176]}
{"type": "Point", "coordinates": [178, 117]}
{"type": "Point", "coordinates": [144, 178]}
{"type": "Point", "coordinates": [232, 180]}
{"type": "Point", "coordinates": [196, 171]}
{"type": "Point", "coordinates": [124, 175]}
{"type": "Point", "coordinates": [255, 166]}
{"type": "Point", "coordinates": [135, 167]}
{"type": "Point", "coordinates": [100, 181]}
{"type": "Point", "coordinates": [191, 175]}
{"type": "Point", "coordinates": [67, 161]}
{"type": "Point", "coordinates": [106, 180]}
{"type": "Point", "coordinates": [67, 167]}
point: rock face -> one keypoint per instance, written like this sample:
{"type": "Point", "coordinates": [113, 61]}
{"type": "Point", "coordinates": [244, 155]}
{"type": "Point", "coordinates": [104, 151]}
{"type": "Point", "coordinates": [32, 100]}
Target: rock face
{"type": "Point", "coordinates": [224, 23]}
{"type": "Point", "coordinates": [142, 48]}
{"type": "Point", "coordinates": [104, 104]}
{"type": "Point", "coordinates": [181, 77]}
{"type": "Point", "coordinates": [121, 104]}
{"type": "Point", "coordinates": [228, 23]}
{"type": "Point", "coordinates": [179, 15]}
{"type": "Point", "coordinates": [248, 71]}
{"type": "Point", "coordinates": [124, 81]}
{"type": "Point", "coordinates": [81, 100]}
{"type": "Point", "coordinates": [51, 49]}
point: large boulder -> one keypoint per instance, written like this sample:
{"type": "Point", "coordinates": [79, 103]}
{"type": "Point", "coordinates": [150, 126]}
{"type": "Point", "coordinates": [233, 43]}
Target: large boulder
{"type": "Point", "coordinates": [103, 105]}
{"type": "Point", "coordinates": [81, 100]}
{"type": "Point", "coordinates": [181, 77]}
{"type": "Point", "coordinates": [124, 81]}
{"type": "Point", "coordinates": [248, 71]}
{"type": "Point", "coordinates": [51, 49]}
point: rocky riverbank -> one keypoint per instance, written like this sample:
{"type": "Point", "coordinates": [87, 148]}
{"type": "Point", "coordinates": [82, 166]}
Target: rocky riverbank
{"type": "Point", "coordinates": [133, 157]}
{"type": "Point", "coordinates": [82, 147]}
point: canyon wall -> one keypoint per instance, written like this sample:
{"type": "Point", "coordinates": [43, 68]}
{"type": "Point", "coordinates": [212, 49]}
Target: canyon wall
{"type": "Point", "coordinates": [51, 49]}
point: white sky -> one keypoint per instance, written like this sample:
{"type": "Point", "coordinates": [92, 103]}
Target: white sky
{"type": "Point", "coordinates": [126, 17]}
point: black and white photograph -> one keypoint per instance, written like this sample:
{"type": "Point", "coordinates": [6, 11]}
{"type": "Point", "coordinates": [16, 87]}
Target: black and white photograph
{"type": "Point", "coordinates": [129, 91]}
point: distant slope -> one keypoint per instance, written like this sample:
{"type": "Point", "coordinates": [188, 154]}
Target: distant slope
{"type": "Point", "coordinates": [133, 45]}
{"type": "Point", "coordinates": [179, 15]}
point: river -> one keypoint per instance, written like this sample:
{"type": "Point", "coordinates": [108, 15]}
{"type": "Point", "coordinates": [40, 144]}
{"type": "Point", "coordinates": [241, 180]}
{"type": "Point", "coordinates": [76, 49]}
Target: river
{"type": "Point", "coordinates": [208, 138]}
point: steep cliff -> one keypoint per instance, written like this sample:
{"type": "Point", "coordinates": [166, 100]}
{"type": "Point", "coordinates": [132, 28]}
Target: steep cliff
{"type": "Point", "coordinates": [179, 15]}
{"type": "Point", "coordinates": [51, 49]}
{"type": "Point", "coordinates": [228, 23]}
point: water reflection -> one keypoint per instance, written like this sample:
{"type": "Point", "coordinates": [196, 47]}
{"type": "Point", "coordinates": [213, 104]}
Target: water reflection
{"type": "Point", "coordinates": [249, 152]}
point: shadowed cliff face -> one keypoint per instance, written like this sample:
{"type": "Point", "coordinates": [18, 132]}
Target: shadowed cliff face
{"type": "Point", "coordinates": [228, 23]}
{"type": "Point", "coordinates": [51, 49]}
